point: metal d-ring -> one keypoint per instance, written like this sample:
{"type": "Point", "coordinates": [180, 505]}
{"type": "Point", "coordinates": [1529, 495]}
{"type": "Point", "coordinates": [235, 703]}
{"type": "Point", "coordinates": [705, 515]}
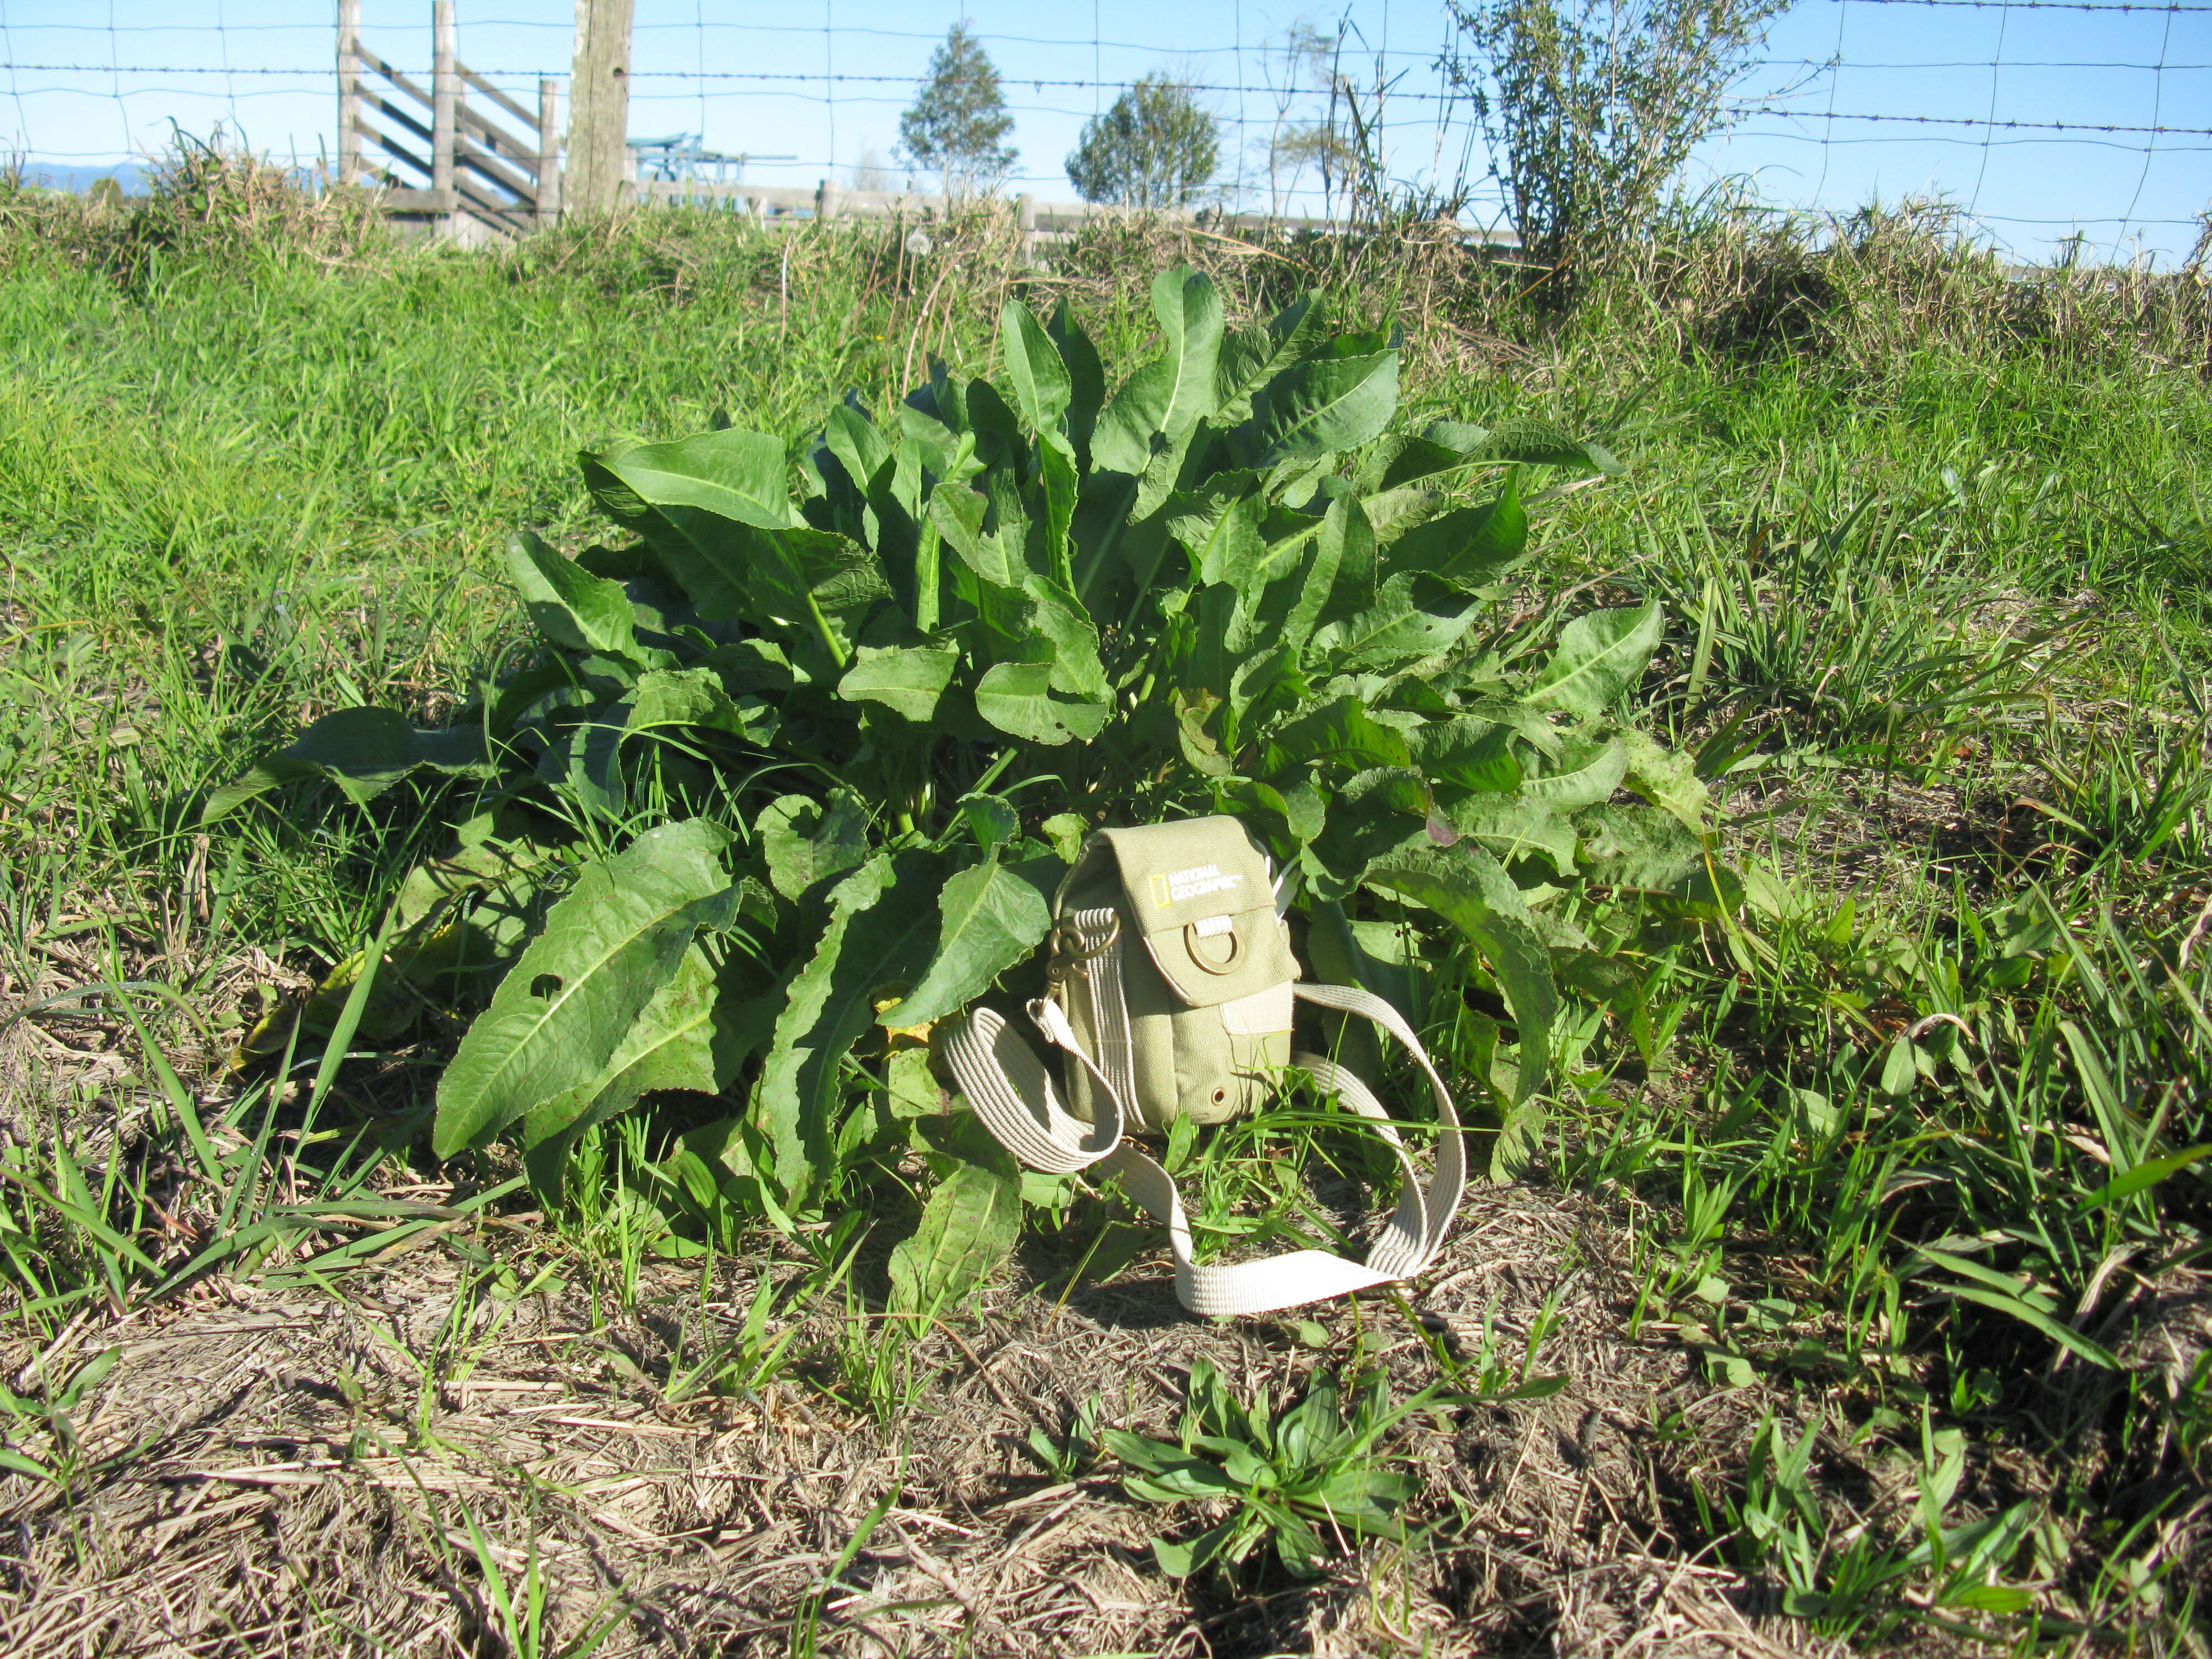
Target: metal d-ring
{"type": "Point", "coordinates": [1190, 938]}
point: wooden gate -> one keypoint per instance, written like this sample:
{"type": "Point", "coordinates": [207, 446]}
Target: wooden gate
{"type": "Point", "coordinates": [445, 163]}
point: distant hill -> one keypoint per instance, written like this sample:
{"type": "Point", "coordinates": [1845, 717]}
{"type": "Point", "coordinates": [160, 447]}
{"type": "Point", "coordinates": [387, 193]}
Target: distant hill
{"type": "Point", "coordinates": [49, 176]}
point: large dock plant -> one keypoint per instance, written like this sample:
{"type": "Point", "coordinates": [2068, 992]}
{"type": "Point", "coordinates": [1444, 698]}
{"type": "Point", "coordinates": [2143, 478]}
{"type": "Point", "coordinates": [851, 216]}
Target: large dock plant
{"type": "Point", "coordinates": [802, 750]}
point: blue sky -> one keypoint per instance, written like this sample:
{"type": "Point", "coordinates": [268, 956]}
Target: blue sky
{"type": "Point", "coordinates": [98, 82]}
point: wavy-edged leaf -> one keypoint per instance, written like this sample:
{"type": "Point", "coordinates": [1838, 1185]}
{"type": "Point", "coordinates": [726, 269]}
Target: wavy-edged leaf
{"type": "Point", "coordinates": [569, 604]}
{"type": "Point", "coordinates": [830, 1003]}
{"type": "Point", "coordinates": [1250, 358]}
{"type": "Point", "coordinates": [1042, 384]}
{"type": "Point", "coordinates": [363, 750]}
{"type": "Point", "coordinates": [1016, 698]}
{"type": "Point", "coordinates": [1087, 377]}
{"type": "Point", "coordinates": [1466, 752]}
{"type": "Point", "coordinates": [1585, 773]}
{"type": "Point", "coordinates": [1318, 406]}
{"type": "Point", "coordinates": [1060, 617]}
{"type": "Point", "coordinates": [968, 1228]}
{"type": "Point", "coordinates": [1530, 441]}
{"type": "Point", "coordinates": [694, 1035]}
{"type": "Point", "coordinates": [738, 476]}
{"type": "Point", "coordinates": [991, 918]}
{"type": "Point", "coordinates": [1640, 846]}
{"type": "Point", "coordinates": [907, 679]}
{"type": "Point", "coordinates": [806, 840]}
{"type": "Point", "coordinates": [1601, 654]}
{"type": "Point", "coordinates": [1508, 827]}
{"type": "Point", "coordinates": [1667, 778]}
{"type": "Point", "coordinates": [1471, 892]}
{"type": "Point", "coordinates": [1168, 397]}
{"type": "Point", "coordinates": [695, 697]}
{"type": "Point", "coordinates": [1471, 545]}
{"type": "Point", "coordinates": [609, 946]}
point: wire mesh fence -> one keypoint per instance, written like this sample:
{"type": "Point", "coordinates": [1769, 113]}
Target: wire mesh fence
{"type": "Point", "coordinates": [2059, 127]}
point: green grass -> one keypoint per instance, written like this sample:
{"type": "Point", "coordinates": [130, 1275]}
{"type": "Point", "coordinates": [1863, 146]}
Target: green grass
{"type": "Point", "coordinates": [1905, 1123]}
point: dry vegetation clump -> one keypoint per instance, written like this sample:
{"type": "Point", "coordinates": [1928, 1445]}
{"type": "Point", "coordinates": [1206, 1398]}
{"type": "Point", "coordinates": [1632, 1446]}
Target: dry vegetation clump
{"type": "Point", "coordinates": [206, 201]}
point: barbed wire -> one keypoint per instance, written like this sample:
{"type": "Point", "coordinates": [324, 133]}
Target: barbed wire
{"type": "Point", "coordinates": [1215, 71]}
{"type": "Point", "coordinates": [805, 77]}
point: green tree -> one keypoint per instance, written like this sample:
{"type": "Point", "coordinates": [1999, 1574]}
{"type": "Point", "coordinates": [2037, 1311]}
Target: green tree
{"type": "Point", "coordinates": [957, 123]}
{"type": "Point", "coordinates": [1156, 147]}
{"type": "Point", "coordinates": [1590, 108]}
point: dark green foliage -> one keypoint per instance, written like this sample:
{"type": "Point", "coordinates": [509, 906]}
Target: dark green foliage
{"type": "Point", "coordinates": [1156, 147]}
{"type": "Point", "coordinates": [846, 738]}
{"type": "Point", "coordinates": [957, 123]}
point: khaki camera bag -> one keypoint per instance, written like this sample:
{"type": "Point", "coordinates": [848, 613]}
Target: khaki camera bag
{"type": "Point", "coordinates": [1171, 988]}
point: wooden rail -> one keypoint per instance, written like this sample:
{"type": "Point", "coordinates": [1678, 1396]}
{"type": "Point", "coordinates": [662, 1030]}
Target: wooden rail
{"type": "Point", "coordinates": [443, 163]}
{"type": "Point", "coordinates": [449, 165]}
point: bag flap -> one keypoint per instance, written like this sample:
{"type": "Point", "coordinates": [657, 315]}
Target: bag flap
{"type": "Point", "coordinates": [1199, 893]}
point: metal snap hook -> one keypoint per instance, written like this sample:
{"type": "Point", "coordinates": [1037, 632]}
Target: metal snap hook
{"type": "Point", "coordinates": [1068, 954]}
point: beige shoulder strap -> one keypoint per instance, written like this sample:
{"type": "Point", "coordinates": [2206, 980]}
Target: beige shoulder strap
{"type": "Point", "coordinates": [1012, 1093]}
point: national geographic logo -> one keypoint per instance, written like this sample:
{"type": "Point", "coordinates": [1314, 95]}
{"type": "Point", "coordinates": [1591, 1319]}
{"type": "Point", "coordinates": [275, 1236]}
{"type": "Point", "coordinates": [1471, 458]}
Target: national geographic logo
{"type": "Point", "coordinates": [1176, 885]}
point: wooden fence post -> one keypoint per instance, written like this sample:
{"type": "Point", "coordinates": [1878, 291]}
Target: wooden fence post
{"type": "Point", "coordinates": [445, 108]}
{"type": "Point", "coordinates": [598, 107]}
{"type": "Point", "coordinates": [1025, 221]}
{"type": "Point", "coordinates": [549, 150]}
{"type": "Point", "coordinates": [349, 92]}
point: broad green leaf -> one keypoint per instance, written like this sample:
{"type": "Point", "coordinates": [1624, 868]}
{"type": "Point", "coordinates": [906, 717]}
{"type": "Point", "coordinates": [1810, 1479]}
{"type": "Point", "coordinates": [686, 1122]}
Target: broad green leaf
{"type": "Point", "coordinates": [1060, 617]}
{"type": "Point", "coordinates": [1636, 846]}
{"type": "Point", "coordinates": [806, 840]}
{"type": "Point", "coordinates": [1584, 774]}
{"type": "Point", "coordinates": [1086, 378]}
{"type": "Point", "coordinates": [1466, 753]}
{"type": "Point", "coordinates": [958, 512]}
{"type": "Point", "coordinates": [694, 1035]}
{"type": "Point", "coordinates": [1035, 366]}
{"type": "Point", "coordinates": [1219, 528]}
{"type": "Point", "coordinates": [907, 679]}
{"type": "Point", "coordinates": [1394, 630]}
{"type": "Point", "coordinates": [1510, 827]}
{"type": "Point", "coordinates": [1531, 442]}
{"type": "Point", "coordinates": [569, 604]}
{"type": "Point", "coordinates": [1345, 546]}
{"type": "Point", "coordinates": [1062, 486]}
{"type": "Point", "coordinates": [1601, 653]}
{"type": "Point", "coordinates": [734, 475]}
{"type": "Point", "coordinates": [363, 750]}
{"type": "Point", "coordinates": [859, 445]}
{"type": "Point", "coordinates": [830, 1004]}
{"type": "Point", "coordinates": [1169, 396]}
{"type": "Point", "coordinates": [695, 697]}
{"type": "Point", "coordinates": [992, 919]}
{"type": "Point", "coordinates": [1469, 890]}
{"type": "Point", "coordinates": [1667, 778]}
{"type": "Point", "coordinates": [1318, 406]}
{"type": "Point", "coordinates": [968, 1228]}
{"type": "Point", "coordinates": [1016, 698]}
{"type": "Point", "coordinates": [1471, 545]}
{"type": "Point", "coordinates": [1341, 733]}
{"type": "Point", "coordinates": [609, 947]}
{"type": "Point", "coordinates": [1250, 358]}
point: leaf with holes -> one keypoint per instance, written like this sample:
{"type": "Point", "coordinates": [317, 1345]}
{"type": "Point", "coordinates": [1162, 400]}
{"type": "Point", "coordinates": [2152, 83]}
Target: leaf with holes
{"type": "Point", "coordinates": [608, 947]}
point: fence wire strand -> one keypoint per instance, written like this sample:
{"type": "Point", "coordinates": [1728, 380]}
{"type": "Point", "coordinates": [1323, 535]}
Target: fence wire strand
{"type": "Point", "coordinates": [1298, 91]}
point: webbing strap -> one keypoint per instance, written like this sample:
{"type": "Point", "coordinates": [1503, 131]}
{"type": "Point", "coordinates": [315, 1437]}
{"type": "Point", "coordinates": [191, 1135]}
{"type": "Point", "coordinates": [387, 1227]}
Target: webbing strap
{"type": "Point", "coordinates": [1012, 1093]}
